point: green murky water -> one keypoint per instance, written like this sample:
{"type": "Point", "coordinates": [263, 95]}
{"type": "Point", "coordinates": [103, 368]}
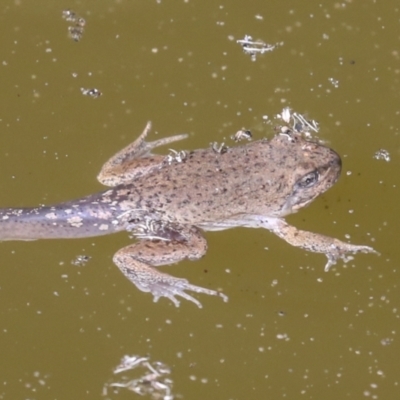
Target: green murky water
{"type": "Point", "coordinates": [290, 330]}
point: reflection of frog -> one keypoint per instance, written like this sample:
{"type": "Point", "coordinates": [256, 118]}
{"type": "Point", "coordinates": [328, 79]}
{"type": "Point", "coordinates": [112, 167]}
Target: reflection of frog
{"type": "Point", "coordinates": [164, 201]}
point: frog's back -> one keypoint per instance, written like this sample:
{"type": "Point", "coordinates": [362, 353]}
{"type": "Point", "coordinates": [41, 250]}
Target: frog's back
{"type": "Point", "coordinates": [255, 178]}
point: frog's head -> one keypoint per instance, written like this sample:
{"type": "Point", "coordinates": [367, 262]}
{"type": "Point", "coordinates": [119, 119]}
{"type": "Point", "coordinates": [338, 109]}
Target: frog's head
{"type": "Point", "coordinates": [317, 168]}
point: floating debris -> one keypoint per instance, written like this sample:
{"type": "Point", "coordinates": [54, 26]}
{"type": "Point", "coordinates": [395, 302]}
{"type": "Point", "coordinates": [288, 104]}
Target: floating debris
{"type": "Point", "coordinates": [242, 134]}
{"type": "Point", "coordinates": [219, 148]}
{"type": "Point", "coordinates": [335, 82]}
{"type": "Point", "coordinates": [254, 47]}
{"type": "Point", "coordinates": [286, 114]}
{"type": "Point", "coordinates": [386, 341]}
{"type": "Point", "coordinates": [152, 381]}
{"type": "Point", "coordinates": [176, 156]}
{"type": "Point", "coordinates": [94, 93]}
{"type": "Point", "coordinates": [75, 31]}
{"type": "Point", "coordinates": [69, 16]}
{"type": "Point", "coordinates": [299, 122]}
{"type": "Point", "coordinates": [382, 154]}
{"type": "Point", "coordinates": [80, 260]}
{"type": "Point", "coordinates": [304, 125]}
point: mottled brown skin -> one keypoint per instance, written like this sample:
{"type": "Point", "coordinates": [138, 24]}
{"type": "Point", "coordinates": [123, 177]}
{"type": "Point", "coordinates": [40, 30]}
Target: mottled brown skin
{"type": "Point", "coordinates": [164, 201]}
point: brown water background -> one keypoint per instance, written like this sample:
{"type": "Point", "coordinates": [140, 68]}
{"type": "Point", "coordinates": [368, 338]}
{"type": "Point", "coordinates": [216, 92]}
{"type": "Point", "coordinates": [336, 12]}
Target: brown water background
{"type": "Point", "coordinates": [289, 330]}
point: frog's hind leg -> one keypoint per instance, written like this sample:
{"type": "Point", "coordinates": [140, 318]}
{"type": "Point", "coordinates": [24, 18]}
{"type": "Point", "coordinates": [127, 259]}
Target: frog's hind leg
{"type": "Point", "coordinates": [137, 261]}
{"type": "Point", "coordinates": [135, 159]}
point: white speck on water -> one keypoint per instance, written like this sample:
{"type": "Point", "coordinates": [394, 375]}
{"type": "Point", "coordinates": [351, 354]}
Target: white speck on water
{"type": "Point", "coordinates": [282, 336]}
{"type": "Point", "coordinates": [334, 82]}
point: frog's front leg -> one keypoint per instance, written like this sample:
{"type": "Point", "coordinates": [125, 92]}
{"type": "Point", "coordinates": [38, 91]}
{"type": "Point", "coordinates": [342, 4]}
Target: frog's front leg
{"type": "Point", "coordinates": [135, 160]}
{"type": "Point", "coordinates": [167, 246]}
{"type": "Point", "coordinates": [334, 249]}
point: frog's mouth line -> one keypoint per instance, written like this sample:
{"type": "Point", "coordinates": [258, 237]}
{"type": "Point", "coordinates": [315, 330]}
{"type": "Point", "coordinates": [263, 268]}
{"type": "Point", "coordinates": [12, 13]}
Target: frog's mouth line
{"type": "Point", "coordinates": [293, 208]}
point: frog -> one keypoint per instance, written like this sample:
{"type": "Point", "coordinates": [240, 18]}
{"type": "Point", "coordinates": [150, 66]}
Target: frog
{"type": "Point", "coordinates": [165, 202]}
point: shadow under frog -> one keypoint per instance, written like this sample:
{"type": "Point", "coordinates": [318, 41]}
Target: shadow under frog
{"type": "Point", "coordinates": [165, 202]}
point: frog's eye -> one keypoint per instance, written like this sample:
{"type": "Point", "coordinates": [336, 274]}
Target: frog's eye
{"type": "Point", "coordinates": [308, 180]}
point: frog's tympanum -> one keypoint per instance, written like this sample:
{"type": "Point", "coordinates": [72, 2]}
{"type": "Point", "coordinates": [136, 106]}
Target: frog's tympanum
{"type": "Point", "coordinates": [166, 201]}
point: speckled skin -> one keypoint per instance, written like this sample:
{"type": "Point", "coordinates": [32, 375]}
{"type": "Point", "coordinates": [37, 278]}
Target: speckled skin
{"type": "Point", "coordinates": [164, 201]}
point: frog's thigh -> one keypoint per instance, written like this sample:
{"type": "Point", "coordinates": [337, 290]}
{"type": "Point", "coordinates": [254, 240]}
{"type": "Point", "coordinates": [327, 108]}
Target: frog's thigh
{"type": "Point", "coordinates": [137, 261]}
{"type": "Point", "coordinates": [134, 160]}
{"type": "Point", "coordinates": [163, 252]}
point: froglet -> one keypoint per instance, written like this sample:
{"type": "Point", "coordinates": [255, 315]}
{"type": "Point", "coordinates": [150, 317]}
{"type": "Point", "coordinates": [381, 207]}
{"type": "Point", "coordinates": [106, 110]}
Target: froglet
{"type": "Point", "coordinates": [166, 201]}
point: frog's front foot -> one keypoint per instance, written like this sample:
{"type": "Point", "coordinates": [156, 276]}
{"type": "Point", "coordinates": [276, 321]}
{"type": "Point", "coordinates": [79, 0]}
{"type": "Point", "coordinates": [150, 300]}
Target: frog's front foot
{"type": "Point", "coordinates": [334, 249]}
{"type": "Point", "coordinates": [341, 250]}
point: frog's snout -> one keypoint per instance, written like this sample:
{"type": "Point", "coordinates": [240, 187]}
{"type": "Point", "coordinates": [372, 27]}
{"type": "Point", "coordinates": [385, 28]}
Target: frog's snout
{"type": "Point", "coordinates": [335, 166]}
